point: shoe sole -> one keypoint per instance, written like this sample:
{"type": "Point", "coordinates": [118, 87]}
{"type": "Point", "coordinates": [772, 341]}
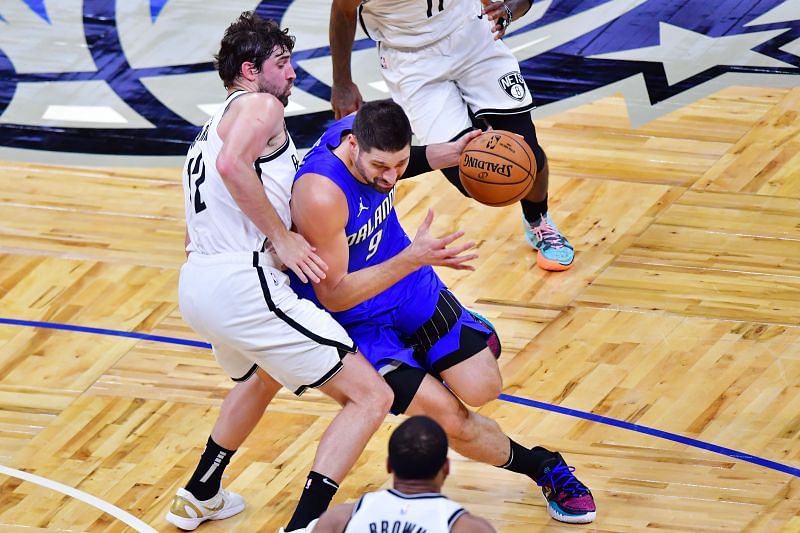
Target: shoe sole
{"type": "Point", "coordinates": [190, 524]}
{"type": "Point", "coordinates": [551, 266]}
{"type": "Point", "coordinates": [546, 264]}
{"type": "Point", "coordinates": [556, 513]}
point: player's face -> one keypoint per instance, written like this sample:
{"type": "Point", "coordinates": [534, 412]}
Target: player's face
{"type": "Point", "coordinates": [381, 169]}
{"type": "Point", "coordinates": [277, 75]}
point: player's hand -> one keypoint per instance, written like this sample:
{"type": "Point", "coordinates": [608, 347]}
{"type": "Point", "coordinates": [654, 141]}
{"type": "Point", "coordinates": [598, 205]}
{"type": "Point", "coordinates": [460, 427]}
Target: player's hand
{"type": "Point", "coordinates": [429, 250]}
{"type": "Point", "coordinates": [461, 143]}
{"type": "Point", "coordinates": [294, 251]}
{"type": "Point", "coordinates": [497, 15]}
{"type": "Point", "coordinates": [345, 99]}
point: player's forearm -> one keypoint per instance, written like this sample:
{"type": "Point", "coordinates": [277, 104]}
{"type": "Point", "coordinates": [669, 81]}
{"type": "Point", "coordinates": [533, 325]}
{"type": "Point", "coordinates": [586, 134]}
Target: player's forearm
{"type": "Point", "coordinates": [341, 34]}
{"type": "Point", "coordinates": [443, 155]}
{"type": "Point", "coordinates": [248, 193]}
{"type": "Point", "coordinates": [358, 287]}
{"type": "Point", "coordinates": [519, 7]}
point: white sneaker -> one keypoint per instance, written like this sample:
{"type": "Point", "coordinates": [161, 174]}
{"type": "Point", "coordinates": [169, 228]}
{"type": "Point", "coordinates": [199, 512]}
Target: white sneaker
{"type": "Point", "coordinates": [187, 512]}
{"type": "Point", "coordinates": [308, 529]}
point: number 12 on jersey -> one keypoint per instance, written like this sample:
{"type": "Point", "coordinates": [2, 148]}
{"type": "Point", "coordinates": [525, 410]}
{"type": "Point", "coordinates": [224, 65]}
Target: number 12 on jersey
{"type": "Point", "coordinates": [196, 170]}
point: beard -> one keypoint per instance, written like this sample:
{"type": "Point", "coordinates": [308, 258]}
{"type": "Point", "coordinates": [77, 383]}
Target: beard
{"type": "Point", "coordinates": [372, 182]}
{"type": "Point", "coordinates": [281, 95]}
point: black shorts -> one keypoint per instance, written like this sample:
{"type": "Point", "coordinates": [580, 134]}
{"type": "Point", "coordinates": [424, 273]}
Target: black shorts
{"type": "Point", "coordinates": [405, 380]}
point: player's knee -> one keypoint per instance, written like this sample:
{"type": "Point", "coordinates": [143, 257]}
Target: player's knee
{"type": "Point", "coordinates": [521, 124]}
{"type": "Point", "coordinates": [377, 401]}
{"type": "Point", "coordinates": [489, 389]}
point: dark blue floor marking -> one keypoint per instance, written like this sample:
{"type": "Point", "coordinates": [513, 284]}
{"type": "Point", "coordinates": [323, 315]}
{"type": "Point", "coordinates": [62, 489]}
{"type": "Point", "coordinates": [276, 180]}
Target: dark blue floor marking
{"type": "Point", "coordinates": [688, 441]}
{"type": "Point", "coordinates": [103, 331]}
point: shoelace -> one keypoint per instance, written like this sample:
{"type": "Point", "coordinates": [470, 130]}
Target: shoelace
{"type": "Point", "coordinates": [561, 479]}
{"type": "Point", "coordinates": [548, 235]}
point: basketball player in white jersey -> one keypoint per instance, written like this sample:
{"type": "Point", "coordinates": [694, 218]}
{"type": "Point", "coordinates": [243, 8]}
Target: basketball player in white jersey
{"type": "Point", "coordinates": [418, 460]}
{"type": "Point", "coordinates": [234, 292]}
{"type": "Point", "coordinates": [443, 62]}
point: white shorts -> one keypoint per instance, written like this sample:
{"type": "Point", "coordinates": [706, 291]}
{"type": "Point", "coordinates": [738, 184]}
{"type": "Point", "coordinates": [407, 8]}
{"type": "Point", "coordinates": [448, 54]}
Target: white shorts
{"type": "Point", "coordinates": [248, 312]}
{"type": "Point", "coordinates": [467, 69]}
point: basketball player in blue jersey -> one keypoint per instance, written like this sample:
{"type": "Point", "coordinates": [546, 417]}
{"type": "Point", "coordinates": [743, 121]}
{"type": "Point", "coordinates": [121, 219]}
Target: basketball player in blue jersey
{"type": "Point", "coordinates": [444, 63]}
{"type": "Point", "coordinates": [415, 333]}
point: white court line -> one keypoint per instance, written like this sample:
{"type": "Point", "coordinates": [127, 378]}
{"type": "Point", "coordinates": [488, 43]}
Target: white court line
{"type": "Point", "coordinates": [83, 113]}
{"type": "Point", "coordinates": [116, 512]}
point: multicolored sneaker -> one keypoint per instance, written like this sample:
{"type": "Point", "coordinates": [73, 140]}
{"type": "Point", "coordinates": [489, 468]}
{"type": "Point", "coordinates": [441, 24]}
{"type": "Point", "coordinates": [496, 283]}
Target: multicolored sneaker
{"type": "Point", "coordinates": [493, 342]}
{"type": "Point", "coordinates": [568, 500]}
{"type": "Point", "coordinates": [555, 251]}
{"type": "Point", "coordinates": [187, 512]}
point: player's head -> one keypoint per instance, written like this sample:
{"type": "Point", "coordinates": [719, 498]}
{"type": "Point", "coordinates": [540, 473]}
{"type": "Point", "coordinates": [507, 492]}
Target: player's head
{"type": "Point", "coordinates": [418, 451]}
{"type": "Point", "coordinates": [257, 53]}
{"type": "Point", "coordinates": [381, 143]}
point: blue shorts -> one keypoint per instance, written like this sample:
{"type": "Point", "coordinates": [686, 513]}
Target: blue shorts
{"type": "Point", "coordinates": [385, 346]}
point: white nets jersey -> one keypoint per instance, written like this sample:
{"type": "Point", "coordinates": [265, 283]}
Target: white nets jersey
{"type": "Point", "coordinates": [414, 23]}
{"type": "Point", "coordinates": [389, 510]}
{"type": "Point", "coordinates": [214, 221]}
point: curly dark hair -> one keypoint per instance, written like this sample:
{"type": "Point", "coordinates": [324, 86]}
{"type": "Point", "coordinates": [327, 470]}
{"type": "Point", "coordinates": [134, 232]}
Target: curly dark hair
{"type": "Point", "coordinates": [252, 39]}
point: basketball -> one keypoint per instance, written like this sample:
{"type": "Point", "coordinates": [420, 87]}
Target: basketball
{"type": "Point", "coordinates": [497, 168]}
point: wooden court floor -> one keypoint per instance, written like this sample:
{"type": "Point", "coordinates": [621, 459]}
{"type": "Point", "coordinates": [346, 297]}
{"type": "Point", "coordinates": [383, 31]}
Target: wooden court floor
{"type": "Point", "coordinates": [682, 315]}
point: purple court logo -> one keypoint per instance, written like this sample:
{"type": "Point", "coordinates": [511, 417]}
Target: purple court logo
{"type": "Point", "coordinates": [135, 78]}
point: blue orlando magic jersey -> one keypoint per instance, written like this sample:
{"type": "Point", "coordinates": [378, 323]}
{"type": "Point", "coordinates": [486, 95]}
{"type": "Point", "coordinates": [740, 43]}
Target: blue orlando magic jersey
{"type": "Point", "coordinates": [374, 235]}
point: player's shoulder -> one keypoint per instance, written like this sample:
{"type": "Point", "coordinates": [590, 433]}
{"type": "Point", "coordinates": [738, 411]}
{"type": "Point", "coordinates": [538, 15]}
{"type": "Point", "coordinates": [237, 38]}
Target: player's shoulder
{"type": "Point", "coordinates": [255, 104]}
{"type": "Point", "coordinates": [469, 523]}
{"type": "Point", "coordinates": [319, 194]}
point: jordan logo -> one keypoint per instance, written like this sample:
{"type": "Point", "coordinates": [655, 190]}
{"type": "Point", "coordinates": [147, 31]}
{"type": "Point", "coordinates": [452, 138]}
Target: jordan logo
{"type": "Point", "coordinates": [361, 206]}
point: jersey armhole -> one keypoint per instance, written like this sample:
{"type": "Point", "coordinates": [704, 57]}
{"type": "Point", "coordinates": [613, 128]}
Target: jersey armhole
{"type": "Point", "coordinates": [455, 516]}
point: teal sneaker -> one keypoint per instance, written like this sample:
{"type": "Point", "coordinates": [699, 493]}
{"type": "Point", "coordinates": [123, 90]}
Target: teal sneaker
{"type": "Point", "coordinates": [555, 251]}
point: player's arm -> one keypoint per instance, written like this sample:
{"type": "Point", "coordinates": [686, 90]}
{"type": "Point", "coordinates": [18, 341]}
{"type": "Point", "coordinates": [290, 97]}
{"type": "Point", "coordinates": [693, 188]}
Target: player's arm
{"type": "Point", "coordinates": [345, 96]}
{"type": "Point", "coordinates": [501, 13]}
{"type": "Point", "coordinates": [335, 520]}
{"type": "Point", "coordinates": [319, 210]}
{"type": "Point", "coordinates": [469, 523]}
{"type": "Point", "coordinates": [245, 130]}
{"type": "Point", "coordinates": [435, 156]}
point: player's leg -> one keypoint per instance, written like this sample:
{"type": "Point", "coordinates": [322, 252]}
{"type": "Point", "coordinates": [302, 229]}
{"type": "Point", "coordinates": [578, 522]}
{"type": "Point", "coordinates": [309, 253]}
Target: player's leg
{"type": "Point", "coordinates": [481, 439]}
{"type": "Point", "coordinates": [464, 355]}
{"type": "Point", "coordinates": [242, 409]}
{"type": "Point", "coordinates": [555, 253]}
{"type": "Point", "coordinates": [333, 366]}
{"type": "Point", "coordinates": [203, 497]}
{"type": "Point", "coordinates": [492, 85]}
{"type": "Point", "coordinates": [365, 400]}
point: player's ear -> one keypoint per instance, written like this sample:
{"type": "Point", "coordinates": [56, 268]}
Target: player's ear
{"type": "Point", "coordinates": [248, 70]}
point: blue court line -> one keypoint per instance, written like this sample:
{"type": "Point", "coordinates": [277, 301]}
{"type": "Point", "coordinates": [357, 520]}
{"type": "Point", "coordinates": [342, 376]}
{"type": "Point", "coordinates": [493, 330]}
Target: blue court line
{"type": "Point", "coordinates": [103, 331]}
{"type": "Point", "coordinates": [674, 437]}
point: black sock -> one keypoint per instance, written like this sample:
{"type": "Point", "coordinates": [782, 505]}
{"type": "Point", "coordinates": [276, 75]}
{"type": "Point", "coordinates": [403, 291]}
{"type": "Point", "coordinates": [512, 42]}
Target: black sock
{"type": "Point", "coordinates": [529, 462]}
{"type": "Point", "coordinates": [533, 211]}
{"type": "Point", "coordinates": [207, 477]}
{"type": "Point", "coordinates": [316, 497]}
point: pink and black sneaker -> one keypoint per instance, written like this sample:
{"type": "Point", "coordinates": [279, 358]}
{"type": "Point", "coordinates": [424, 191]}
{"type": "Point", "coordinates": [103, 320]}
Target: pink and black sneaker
{"type": "Point", "coordinates": [568, 500]}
